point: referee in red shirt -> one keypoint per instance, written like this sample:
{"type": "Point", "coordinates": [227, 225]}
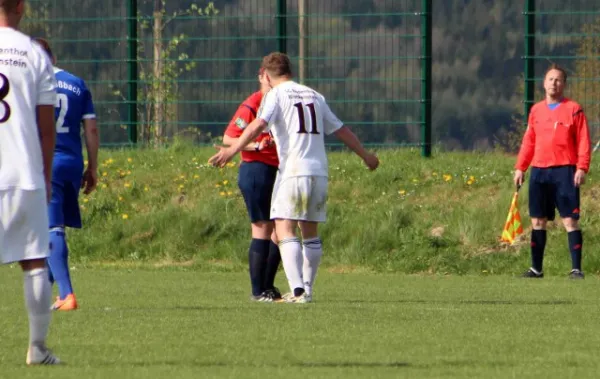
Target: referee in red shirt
{"type": "Point", "coordinates": [256, 179]}
{"type": "Point", "coordinates": [557, 146]}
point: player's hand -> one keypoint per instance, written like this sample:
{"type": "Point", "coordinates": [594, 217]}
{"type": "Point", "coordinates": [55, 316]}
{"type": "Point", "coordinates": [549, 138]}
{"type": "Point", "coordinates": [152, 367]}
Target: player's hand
{"type": "Point", "coordinates": [265, 143]}
{"type": "Point", "coordinates": [579, 177]}
{"type": "Point", "coordinates": [90, 181]}
{"type": "Point", "coordinates": [224, 155]}
{"type": "Point", "coordinates": [48, 191]}
{"type": "Point", "coordinates": [518, 178]}
{"type": "Point", "coordinates": [371, 161]}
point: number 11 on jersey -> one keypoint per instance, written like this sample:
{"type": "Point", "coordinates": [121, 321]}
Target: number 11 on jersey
{"type": "Point", "coordinates": [301, 119]}
{"type": "Point", "coordinates": [62, 103]}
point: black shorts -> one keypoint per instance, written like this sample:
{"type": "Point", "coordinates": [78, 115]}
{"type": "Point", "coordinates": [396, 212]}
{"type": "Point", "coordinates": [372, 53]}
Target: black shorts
{"type": "Point", "coordinates": [256, 181]}
{"type": "Point", "coordinates": [551, 188]}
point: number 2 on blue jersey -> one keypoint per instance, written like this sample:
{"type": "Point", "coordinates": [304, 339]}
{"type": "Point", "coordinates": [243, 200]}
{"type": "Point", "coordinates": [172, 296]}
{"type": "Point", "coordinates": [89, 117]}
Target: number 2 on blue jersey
{"type": "Point", "coordinates": [62, 103]}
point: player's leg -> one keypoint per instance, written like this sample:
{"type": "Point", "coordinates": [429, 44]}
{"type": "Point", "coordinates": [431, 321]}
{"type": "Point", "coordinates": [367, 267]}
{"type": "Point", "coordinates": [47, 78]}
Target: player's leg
{"type": "Point", "coordinates": [274, 259]}
{"type": "Point", "coordinates": [24, 239]}
{"type": "Point", "coordinates": [251, 182]}
{"type": "Point", "coordinates": [312, 247]}
{"type": "Point", "coordinates": [541, 209]}
{"type": "Point", "coordinates": [38, 296]}
{"type": "Point", "coordinates": [273, 263]}
{"type": "Point", "coordinates": [568, 204]}
{"type": "Point", "coordinates": [285, 212]}
{"type": "Point", "coordinates": [63, 203]}
{"type": "Point", "coordinates": [291, 256]}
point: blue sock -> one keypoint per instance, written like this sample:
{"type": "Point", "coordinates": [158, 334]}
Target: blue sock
{"type": "Point", "coordinates": [575, 245]}
{"type": "Point", "coordinates": [257, 259]}
{"type": "Point", "coordinates": [538, 244]}
{"type": "Point", "coordinates": [272, 266]}
{"type": "Point", "coordinates": [59, 262]}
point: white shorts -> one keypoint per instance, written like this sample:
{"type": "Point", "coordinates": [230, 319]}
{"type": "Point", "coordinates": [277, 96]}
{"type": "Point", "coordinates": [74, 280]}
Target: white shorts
{"type": "Point", "coordinates": [23, 225]}
{"type": "Point", "coordinates": [302, 198]}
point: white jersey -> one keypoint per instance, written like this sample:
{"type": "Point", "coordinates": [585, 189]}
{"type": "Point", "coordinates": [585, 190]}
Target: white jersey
{"type": "Point", "coordinates": [299, 118]}
{"type": "Point", "coordinates": [26, 81]}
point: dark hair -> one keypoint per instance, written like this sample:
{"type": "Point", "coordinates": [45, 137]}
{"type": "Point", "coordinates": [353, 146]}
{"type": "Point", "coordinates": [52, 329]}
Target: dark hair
{"type": "Point", "coordinates": [278, 64]}
{"type": "Point", "coordinates": [45, 45]}
{"type": "Point", "coordinates": [556, 67]}
{"type": "Point", "coordinates": [9, 5]}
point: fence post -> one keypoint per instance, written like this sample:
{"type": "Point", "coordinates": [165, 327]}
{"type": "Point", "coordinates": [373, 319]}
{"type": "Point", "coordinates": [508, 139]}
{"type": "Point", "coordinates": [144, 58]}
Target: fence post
{"type": "Point", "coordinates": [132, 71]}
{"type": "Point", "coordinates": [426, 76]}
{"type": "Point", "coordinates": [282, 26]}
{"type": "Point", "coordinates": [302, 40]}
{"type": "Point", "coordinates": [529, 90]}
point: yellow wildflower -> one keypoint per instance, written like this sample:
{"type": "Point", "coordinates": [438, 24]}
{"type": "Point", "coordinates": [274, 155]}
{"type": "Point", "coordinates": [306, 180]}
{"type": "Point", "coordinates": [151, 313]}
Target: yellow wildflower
{"type": "Point", "coordinates": [447, 177]}
{"type": "Point", "coordinates": [125, 216]}
{"type": "Point", "coordinates": [105, 173]}
{"type": "Point", "coordinates": [229, 193]}
{"type": "Point", "coordinates": [402, 192]}
{"type": "Point", "coordinates": [127, 185]}
{"type": "Point", "coordinates": [120, 198]}
{"type": "Point", "coordinates": [225, 182]}
{"type": "Point", "coordinates": [85, 199]}
{"type": "Point", "coordinates": [222, 193]}
{"type": "Point", "coordinates": [129, 160]}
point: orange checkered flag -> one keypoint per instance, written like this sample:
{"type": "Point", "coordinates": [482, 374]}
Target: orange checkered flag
{"type": "Point", "coordinates": [513, 227]}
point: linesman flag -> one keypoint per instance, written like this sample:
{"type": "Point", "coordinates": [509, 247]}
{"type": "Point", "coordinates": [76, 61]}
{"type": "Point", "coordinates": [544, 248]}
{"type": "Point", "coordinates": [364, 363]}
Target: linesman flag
{"type": "Point", "coordinates": [513, 227]}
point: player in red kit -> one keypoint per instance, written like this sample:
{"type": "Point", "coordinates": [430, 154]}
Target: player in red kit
{"type": "Point", "coordinates": [256, 179]}
{"type": "Point", "coordinates": [557, 147]}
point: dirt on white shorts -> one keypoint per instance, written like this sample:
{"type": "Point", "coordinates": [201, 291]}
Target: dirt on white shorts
{"type": "Point", "coordinates": [302, 198]}
{"type": "Point", "coordinates": [23, 225]}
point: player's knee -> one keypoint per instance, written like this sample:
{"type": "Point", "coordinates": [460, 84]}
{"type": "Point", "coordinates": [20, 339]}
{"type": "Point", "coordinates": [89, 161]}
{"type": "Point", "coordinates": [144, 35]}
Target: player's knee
{"type": "Point", "coordinates": [538, 223]}
{"type": "Point", "coordinates": [33, 264]}
{"type": "Point", "coordinates": [570, 224]}
{"type": "Point", "coordinates": [262, 230]}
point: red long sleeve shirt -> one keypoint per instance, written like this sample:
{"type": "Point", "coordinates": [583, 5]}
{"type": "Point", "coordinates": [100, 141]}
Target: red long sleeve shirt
{"type": "Point", "coordinates": [556, 137]}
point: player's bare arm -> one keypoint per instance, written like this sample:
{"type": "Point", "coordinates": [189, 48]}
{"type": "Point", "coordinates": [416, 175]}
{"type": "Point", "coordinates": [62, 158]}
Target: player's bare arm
{"type": "Point", "coordinates": [350, 139]}
{"type": "Point", "coordinates": [92, 144]}
{"type": "Point", "coordinates": [47, 131]}
{"type": "Point", "coordinates": [252, 146]}
{"type": "Point", "coordinates": [225, 154]}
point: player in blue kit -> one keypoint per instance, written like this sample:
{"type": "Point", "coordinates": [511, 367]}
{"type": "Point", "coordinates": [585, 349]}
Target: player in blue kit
{"type": "Point", "coordinates": [74, 107]}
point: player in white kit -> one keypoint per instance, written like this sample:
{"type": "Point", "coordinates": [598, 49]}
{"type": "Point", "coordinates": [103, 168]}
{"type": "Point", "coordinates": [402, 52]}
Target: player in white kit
{"type": "Point", "coordinates": [298, 118]}
{"type": "Point", "coordinates": [27, 137]}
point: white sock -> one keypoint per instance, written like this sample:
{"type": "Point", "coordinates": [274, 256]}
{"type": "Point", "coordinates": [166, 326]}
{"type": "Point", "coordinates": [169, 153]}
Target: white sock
{"type": "Point", "coordinates": [313, 251]}
{"type": "Point", "coordinates": [38, 296]}
{"type": "Point", "coordinates": [291, 257]}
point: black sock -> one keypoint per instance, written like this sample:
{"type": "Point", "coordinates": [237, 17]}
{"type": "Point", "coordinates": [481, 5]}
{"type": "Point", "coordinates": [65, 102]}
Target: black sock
{"type": "Point", "coordinates": [272, 266]}
{"type": "Point", "coordinates": [538, 244]}
{"type": "Point", "coordinates": [257, 260]}
{"type": "Point", "coordinates": [575, 245]}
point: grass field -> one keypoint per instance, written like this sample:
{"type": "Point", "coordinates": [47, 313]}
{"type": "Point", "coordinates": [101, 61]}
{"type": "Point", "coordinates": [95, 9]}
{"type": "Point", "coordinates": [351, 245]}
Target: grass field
{"type": "Point", "coordinates": [181, 323]}
{"type": "Point", "coordinates": [441, 215]}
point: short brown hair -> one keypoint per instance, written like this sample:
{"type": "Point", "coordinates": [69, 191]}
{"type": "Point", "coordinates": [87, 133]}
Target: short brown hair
{"type": "Point", "coordinates": [556, 67]}
{"type": "Point", "coordinates": [9, 5]}
{"type": "Point", "coordinates": [278, 64]}
{"type": "Point", "coordinates": [44, 44]}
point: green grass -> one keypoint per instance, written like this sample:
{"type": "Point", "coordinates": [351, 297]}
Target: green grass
{"type": "Point", "coordinates": [413, 215]}
{"type": "Point", "coordinates": [180, 323]}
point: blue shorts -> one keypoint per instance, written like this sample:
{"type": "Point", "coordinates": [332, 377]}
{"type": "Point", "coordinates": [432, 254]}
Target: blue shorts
{"type": "Point", "coordinates": [256, 181]}
{"type": "Point", "coordinates": [551, 188]}
{"type": "Point", "coordinates": [63, 209]}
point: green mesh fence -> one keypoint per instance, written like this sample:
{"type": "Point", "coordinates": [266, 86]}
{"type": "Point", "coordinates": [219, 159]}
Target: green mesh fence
{"type": "Point", "coordinates": [566, 33]}
{"type": "Point", "coordinates": [368, 58]}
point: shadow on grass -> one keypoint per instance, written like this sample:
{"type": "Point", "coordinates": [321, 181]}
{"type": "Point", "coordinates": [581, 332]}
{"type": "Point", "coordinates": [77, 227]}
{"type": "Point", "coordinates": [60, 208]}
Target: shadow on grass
{"type": "Point", "coordinates": [469, 302]}
{"type": "Point", "coordinates": [272, 364]}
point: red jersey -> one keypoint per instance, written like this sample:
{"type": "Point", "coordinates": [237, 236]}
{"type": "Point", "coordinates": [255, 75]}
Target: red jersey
{"type": "Point", "coordinates": [557, 137]}
{"type": "Point", "coordinates": [245, 114]}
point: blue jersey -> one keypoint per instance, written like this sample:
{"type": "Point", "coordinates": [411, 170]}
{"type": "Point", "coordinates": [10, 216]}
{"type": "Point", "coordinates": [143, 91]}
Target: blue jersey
{"type": "Point", "coordinates": [73, 105]}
